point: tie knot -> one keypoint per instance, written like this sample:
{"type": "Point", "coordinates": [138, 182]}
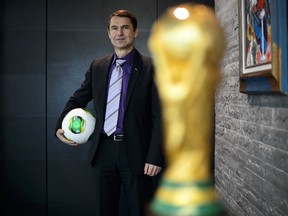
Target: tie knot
{"type": "Point", "coordinates": [119, 62]}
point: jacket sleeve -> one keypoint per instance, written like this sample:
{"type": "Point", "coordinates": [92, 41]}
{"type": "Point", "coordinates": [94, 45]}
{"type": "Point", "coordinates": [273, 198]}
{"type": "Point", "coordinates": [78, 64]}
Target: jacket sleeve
{"type": "Point", "coordinates": [156, 151]}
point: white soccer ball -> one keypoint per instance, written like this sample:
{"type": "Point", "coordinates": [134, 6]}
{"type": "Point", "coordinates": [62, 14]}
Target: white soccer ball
{"type": "Point", "coordinates": [78, 125]}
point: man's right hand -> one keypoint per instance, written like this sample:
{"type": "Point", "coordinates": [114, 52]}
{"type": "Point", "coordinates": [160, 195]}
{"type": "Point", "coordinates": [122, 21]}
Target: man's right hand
{"type": "Point", "coordinates": [60, 135]}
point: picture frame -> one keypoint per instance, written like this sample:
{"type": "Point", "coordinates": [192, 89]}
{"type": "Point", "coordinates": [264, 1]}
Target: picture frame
{"type": "Point", "coordinates": [263, 46]}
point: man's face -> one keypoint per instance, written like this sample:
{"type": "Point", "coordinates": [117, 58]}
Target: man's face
{"type": "Point", "coordinates": [121, 33]}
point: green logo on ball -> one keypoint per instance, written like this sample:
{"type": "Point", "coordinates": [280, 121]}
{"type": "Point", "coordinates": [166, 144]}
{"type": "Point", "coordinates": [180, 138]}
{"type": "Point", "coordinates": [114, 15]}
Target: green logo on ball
{"type": "Point", "coordinates": [77, 124]}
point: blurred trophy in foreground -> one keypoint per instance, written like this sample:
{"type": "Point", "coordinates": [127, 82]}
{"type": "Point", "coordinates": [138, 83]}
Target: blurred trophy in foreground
{"type": "Point", "coordinates": [187, 45]}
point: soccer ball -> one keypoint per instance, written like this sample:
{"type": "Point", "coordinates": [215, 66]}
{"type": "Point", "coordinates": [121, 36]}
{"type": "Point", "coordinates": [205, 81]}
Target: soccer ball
{"type": "Point", "coordinates": [78, 125]}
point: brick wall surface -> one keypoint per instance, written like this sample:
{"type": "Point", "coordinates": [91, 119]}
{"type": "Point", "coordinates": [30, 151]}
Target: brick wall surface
{"type": "Point", "coordinates": [251, 142]}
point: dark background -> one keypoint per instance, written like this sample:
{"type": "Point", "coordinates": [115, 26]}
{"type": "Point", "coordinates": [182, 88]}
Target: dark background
{"type": "Point", "coordinates": [46, 47]}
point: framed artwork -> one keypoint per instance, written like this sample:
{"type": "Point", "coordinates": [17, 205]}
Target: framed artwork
{"type": "Point", "coordinates": [263, 46]}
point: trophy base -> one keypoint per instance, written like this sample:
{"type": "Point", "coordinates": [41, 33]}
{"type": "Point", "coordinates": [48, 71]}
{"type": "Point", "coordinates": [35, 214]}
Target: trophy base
{"type": "Point", "coordinates": [186, 199]}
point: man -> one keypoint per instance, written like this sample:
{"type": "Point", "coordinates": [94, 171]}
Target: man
{"type": "Point", "coordinates": [134, 151]}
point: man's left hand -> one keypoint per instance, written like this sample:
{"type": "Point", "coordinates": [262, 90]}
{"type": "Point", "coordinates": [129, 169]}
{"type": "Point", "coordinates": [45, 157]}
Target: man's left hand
{"type": "Point", "coordinates": [151, 169]}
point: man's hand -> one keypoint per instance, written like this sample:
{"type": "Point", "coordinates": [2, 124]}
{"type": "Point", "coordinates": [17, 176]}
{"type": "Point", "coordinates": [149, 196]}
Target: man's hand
{"type": "Point", "coordinates": [60, 135]}
{"type": "Point", "coordinates": [151, 169]}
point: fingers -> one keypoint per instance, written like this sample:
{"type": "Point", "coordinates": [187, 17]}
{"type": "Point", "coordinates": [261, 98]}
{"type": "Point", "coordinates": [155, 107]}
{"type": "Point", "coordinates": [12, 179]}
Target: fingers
{"type": "Point", "coordinates": [60, 135]}
{"type": "Point", "coordinates": [151, 170]}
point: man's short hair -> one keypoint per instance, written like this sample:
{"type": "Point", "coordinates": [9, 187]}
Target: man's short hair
{"type": "Point", "coordinates": [124, 13]}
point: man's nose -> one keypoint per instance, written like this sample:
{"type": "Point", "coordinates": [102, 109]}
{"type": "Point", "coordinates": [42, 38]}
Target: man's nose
{"type": "Point", "coordinates": [120, 31]}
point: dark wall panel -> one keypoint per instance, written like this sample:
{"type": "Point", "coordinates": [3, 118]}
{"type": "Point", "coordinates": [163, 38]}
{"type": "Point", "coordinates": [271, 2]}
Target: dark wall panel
{"type": "Point", "coordinates": [22, 111]}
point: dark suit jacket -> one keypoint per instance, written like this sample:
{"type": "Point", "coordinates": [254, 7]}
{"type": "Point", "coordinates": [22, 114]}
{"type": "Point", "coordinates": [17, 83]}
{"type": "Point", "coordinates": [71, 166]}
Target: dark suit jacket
{"type": "Point", "coordinates": [142, 117]}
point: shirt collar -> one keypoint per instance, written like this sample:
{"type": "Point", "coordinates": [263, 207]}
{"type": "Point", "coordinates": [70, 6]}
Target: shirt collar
{"type": "Point", "coordinates": [129, 57]}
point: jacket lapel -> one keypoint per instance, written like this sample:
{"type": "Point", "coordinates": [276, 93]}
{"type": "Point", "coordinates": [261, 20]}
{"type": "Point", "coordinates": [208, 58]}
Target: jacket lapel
{"type": "Point", "coordinates": [135, 73]}
{"type": "Point", "coordinates": [100, 81]}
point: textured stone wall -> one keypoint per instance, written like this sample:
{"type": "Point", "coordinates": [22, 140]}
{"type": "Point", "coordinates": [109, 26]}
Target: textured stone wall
{"type": "Point", "coordinates": [251, 149]}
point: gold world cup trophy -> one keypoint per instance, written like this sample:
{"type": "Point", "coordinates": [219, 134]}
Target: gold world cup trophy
{"type": "Point", "coordinates": [187, 44]}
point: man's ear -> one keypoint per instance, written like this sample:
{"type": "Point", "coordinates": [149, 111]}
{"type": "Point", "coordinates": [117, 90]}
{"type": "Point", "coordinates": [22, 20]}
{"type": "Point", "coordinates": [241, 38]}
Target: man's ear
{"type": "Point", "coordinates": [136, 33]}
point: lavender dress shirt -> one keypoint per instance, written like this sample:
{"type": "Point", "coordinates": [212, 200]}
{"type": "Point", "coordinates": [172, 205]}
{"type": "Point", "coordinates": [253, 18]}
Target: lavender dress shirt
{"type": "Point", "coordinates": [126, 75]}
